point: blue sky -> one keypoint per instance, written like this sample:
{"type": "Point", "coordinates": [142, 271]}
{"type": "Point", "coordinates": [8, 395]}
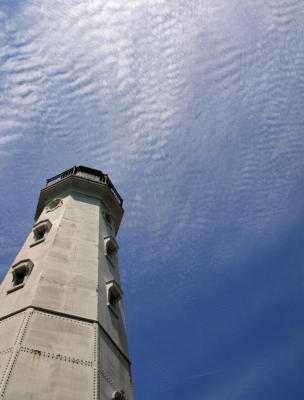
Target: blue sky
{"type": "Point", "coordinates": [195, 110]}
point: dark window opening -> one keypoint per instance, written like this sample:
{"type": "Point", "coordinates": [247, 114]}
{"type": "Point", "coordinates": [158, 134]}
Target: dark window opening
{"type": "Point", "coordinates": [118, 395]}
{"type": "Point", "coordinates": [39, 233]}
{"type": "Point", "coordinates": [110, 250]}
{"type": "Point", "coordinates": [19, 275]}
{"type": "Point", "coordinates": [112, 300]}
{"type": "Point", "coordinates": [113, 296]}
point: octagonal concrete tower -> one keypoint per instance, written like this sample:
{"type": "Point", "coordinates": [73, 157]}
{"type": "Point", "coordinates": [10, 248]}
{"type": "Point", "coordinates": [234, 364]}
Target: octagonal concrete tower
{"type": "Point", "coordinates": [62, 326]}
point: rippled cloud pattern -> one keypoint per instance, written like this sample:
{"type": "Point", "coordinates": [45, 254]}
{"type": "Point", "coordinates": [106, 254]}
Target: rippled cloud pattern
{"type": "Point", "coordinates": [195, 110]}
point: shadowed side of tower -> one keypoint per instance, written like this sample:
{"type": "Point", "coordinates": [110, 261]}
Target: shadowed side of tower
{"type": "Point", "coordinates": [62, 326]}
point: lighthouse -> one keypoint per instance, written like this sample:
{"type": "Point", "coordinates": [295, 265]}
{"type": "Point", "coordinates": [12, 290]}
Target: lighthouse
{"type": "Point", "coordinates": [62, 324]}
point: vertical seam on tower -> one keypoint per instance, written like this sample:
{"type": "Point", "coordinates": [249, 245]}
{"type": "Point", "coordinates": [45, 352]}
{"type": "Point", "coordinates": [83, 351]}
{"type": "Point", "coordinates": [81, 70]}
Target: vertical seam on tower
{"type": "Point", "coordinates": [96, 360]}
{"type": "Point", "coordinates": [15, 353]}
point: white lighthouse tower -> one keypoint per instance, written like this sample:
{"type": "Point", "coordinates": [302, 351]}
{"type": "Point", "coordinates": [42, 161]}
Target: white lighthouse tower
{"type": "Point", "coordinates": [62, 326]}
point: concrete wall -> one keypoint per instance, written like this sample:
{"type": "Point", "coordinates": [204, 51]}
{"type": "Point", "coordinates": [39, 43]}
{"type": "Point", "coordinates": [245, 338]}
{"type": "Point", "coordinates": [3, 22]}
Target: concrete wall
{"type": "Point", "coordinates": [49, 357]}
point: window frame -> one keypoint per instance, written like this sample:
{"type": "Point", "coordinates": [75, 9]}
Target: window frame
{"type": "Point", "coordinates": [44, 224]}
{"type": "Point", "coordinates": [28, 266]}
{"type": "Point", "coordinates": [110, 241]}
{"type": "Point", "coordinates": [113, 289]}
{"type": "Point", "coordinates": [49, 207]}
{"type": "Point", "coordinates": [118, 395]}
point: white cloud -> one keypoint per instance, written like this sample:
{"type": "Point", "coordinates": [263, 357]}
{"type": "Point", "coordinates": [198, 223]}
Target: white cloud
{"type": "Point", "coordinates": [9, 138]}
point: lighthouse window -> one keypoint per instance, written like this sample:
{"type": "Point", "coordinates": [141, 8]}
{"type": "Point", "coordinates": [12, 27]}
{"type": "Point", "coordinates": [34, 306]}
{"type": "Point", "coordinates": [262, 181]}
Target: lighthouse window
{"type": "Point", "coordinates": [40, 231]}
{"type": "Point", "coordinates": [53, 205]}
{"type": "Point", "coordinates": [112, 299]}
{"type": "Point", "coordinates": [114, 295]}
{"type": "Point", "coordinates": [20, 273]}
{"type": "Point", "coordinates": [111, 248]}
{"type": "Point", "coordinates": [118, 395]}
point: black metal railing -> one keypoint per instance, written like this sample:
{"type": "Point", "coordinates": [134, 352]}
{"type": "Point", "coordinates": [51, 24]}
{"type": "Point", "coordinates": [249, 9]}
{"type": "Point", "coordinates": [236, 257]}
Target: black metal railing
{"type": "Point", "coordinates": [87, 173]}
